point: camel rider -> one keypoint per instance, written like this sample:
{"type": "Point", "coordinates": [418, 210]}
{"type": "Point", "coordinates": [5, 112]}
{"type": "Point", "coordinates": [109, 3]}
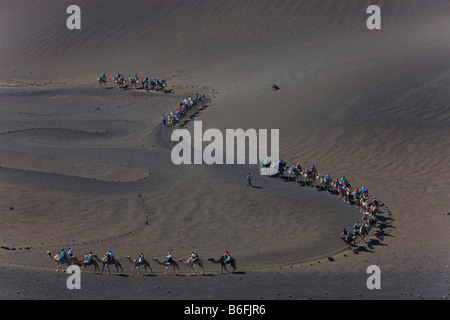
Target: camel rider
{"type": "Point", "coordinates": [365, 191]}
{"type": "Point", "coordinates": [313, 169]}
{"type": "Point", "coordinates": [110, 256]}
{"type": "Point", "coordinates": [169, 258]}
{"type": "Point", "coordinates": [298, 166]}
{"type": "Point", "coordinates": [344, 180]}
{"type": "Point", "coordinates": [328, 177]}
{"type": "Point", "coordinates": [62, 255]}
{"type": "Point", "coordinates": [344, 233]}
{"type": "Point", "coordinates": [194, 256]}
{"type": "Point", "coordinates": [356, 227]}
{"type": "Point", "coordinates": [88, 258]}
{"type": "Point", "coordinates": [356, 193]}
{"type": "Point", "coordinates": [227, 257]}
{"type": "Point", "coordinates": [140, 258]}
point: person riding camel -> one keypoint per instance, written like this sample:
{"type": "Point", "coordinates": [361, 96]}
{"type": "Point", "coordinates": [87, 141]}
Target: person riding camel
{"type": "Point", "coordinates": [140, 258]}
{"type": "Point", "coordinates": [313, 169]}
{"type": "Point", "coordinates": [356, 193]}
{"type": "Point", "coordinates": [227, 257]}
{"type": "Point", "coordinates": [169, 258]}
{"type": "Point", "coordinates": [88, 258]}
{"type": "Point", "coordinates": [110, 256]}
{"type": "Point", "coordinates": [365, 192]}
{"type": "Point", "coordinates": [356, 227]}
{"type": "Point", "coordinates": [62, 255]}
{"type": "Point", "coordinates": [298, 166]}
{"type": "Point", "coordinates": [194, 256]}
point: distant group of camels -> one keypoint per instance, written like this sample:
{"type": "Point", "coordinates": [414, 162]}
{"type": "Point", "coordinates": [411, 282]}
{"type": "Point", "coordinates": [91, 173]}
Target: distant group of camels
{"type": "Point", "coordinates": [137, 264]}
{"type": "Point", "coordinates": [370, 209]}
{"type": "Point", "coordinates": [144, 83]}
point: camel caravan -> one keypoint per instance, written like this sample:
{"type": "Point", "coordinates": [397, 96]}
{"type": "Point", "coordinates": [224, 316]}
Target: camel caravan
{"type": "Point", "coordinates": [341, 186]}
{"type": "Point", "coordinates": [193, 262]}
{"type": "Point", "coordinates": [186, 108]}
{"type": "Point", "coordinates": [146, 83]}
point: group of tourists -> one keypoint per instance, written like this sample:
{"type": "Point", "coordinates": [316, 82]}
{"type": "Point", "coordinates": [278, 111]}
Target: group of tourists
{"type": "Point", "coordinates": [64, 255]}
{"type": "Point", "coordinates": [185, 107]}
{"type": "Point", "coordinates": [360, 197]}
{"type": "Point", "coordinates": [110, 257]}
{"type": "Point", "coordinates": [146, 83]}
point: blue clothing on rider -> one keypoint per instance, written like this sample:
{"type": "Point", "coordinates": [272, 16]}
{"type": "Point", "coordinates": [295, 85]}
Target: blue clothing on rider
{"type": "Point", "coordinates": [62, 255]}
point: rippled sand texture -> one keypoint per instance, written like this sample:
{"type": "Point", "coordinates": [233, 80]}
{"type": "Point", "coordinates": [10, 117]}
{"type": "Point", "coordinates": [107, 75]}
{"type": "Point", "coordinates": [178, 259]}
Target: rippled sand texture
{"type": "Point", "coordinates": [89, 167]}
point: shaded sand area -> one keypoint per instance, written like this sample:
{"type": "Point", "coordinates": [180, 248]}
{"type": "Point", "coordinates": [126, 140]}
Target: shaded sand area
{"type": "Point", "coordinates": [89, 168]}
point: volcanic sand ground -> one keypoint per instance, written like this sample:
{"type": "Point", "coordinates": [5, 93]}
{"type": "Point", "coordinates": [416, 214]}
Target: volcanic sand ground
{"type": "Point", "coordinates": [90, 168]}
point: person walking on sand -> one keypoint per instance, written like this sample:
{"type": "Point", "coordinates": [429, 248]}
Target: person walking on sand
{"type": "Point", "coordinates": [249, 180]}
{"type": "Point", "coordinates": [164, 119]}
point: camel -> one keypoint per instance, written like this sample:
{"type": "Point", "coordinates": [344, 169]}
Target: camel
{"type": "Point", "coordinates": [373, 219]}
{"type": "Point", "coordinates": [58, 262]}
{"type": "Point", "coordinates": [344, 193]}
{"type": "Point", "coordinates": [298, 174]}
{"type": "Point", "coordinates": [144, 263]}
{"type": "Point", "coordinates": [362, 203]}
{"type": "Point", "coordinates": [85, 264]}
{"type": "Point", "coordinates": [364, 231]}
{"type": "Point", "coordinates": [134, 81]}
{"type": "Point", "coordinates": [222, 263]}
{"type": "Point", "coordinates": [101, 81]}
{"type": "Point", "coordinates": [282, 168]}
{"type": "Point", "coordinates": [311, 177]}
{"type": "Point", "coordinates": [350, 240]}
{"type": "Point", "coordinates": [325, 183]}
{"type": "Point", "coordinates": [174, 264]}
{"type": "Point", "coordinates": [120, 82]}
{"type": "Point", "coordinates": [107, 262]}
{"type": "Point", "coordinates": [158, 84]}
{"type": "Point", "coordinates": [191, 264]}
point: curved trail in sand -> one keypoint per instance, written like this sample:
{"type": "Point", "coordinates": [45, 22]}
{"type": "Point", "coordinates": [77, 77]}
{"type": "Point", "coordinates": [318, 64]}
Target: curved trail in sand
{"type": "Point", "coordinates": [279, 211]}
{"type": "Point", "coordinates": [370, 104]}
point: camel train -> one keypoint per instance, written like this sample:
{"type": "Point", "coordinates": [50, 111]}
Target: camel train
{"type": "Point", "coordinates": [62, 258]}
{"type": "Point", "coordinates": [135, 82]}
{"type": "Point", "coordinates": [360, 197]}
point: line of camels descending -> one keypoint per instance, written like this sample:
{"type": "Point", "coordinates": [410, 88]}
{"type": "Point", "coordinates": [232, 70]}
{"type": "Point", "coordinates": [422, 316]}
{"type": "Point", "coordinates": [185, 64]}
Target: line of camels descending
{"type": "Point", "coordinates": [138, 263]}
{"type": "Point", "coordinates": [369, 209]}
